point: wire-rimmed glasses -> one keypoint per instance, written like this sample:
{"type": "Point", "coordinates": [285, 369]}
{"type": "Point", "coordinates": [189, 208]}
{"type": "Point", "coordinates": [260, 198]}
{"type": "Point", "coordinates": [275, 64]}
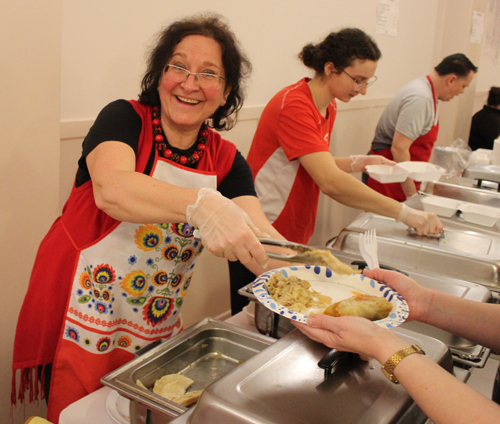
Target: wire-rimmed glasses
{"type": "Point", "coordinates": [359, 85]}
{"type": "Point", "coordinates": [205, 80]}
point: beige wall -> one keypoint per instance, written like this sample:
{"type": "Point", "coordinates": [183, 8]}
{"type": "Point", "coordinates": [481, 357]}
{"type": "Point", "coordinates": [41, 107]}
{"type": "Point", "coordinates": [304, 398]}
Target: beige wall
{"type": "Point", "coordinates": [63, 60]}
{"type": "Point", "coordinates": [30, 60]}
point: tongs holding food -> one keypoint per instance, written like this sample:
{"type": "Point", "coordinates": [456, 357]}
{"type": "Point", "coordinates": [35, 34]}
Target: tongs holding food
{"type": "Point", "coordinates": [307, 255]}
{"type": "Point", "coordinates": [301, 249]}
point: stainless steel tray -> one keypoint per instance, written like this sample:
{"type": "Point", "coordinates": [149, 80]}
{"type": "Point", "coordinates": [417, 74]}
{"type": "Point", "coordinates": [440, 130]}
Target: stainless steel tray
{"type": "Point", "coordinates": [465, 189]}
{"type": "Point", "coordinates": [466, 252]}
{"type": "Point", "coordinates": [205, 352]}
{"type": "Point", "coordinates": [284, 385]}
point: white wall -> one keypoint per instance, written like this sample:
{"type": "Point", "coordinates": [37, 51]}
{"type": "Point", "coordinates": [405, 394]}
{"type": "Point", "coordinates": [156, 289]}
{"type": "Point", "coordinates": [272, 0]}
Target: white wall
{"type": "Point", "coordinates": [88, 53]}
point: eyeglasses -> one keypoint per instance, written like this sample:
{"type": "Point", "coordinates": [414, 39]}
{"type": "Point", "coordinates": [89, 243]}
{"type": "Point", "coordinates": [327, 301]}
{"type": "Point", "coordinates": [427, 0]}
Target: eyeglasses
{"type": "Point", "coordinates": [361, 84]}
{"type": "Point", "coordinates": [205, 80]}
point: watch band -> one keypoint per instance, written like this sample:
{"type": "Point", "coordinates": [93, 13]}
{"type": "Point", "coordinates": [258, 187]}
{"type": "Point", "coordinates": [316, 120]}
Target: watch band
{"type": "Point", "coordinates": [388, 368]}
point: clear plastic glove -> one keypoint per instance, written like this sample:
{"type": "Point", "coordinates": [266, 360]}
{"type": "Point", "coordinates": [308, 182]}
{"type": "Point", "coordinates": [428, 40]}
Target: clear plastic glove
{"type": "Point", "coordinates": [226, 229]}
{"type": "Point", "coordinates": [359, 162]}
{"type": "Point", "coordinates": [423, 222]}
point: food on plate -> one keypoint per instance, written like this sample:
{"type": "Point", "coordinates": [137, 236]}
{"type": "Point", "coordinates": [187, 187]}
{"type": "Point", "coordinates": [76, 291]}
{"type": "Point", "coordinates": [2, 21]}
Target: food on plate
{"type": "Point", "coordinates": [295, 293]}
{"type": "Point", "coordinates": [361, 305]}
{"type": "Point", "coordinates": [325, 258]}
{"type": "Point", "coordinates": [173, 387]}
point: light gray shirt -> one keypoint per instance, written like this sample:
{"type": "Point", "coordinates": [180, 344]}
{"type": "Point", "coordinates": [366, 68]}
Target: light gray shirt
{"type": "Point", "coordinates": [410, 111]}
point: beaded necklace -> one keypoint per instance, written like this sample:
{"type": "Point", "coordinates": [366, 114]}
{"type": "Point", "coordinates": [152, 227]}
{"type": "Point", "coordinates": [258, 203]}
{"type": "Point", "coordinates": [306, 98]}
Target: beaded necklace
{"type": "Point", "coordinates": [162, 146]}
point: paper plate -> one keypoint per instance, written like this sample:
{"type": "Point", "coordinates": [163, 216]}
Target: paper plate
{"type": "Point", "coordinates": [338, 287]}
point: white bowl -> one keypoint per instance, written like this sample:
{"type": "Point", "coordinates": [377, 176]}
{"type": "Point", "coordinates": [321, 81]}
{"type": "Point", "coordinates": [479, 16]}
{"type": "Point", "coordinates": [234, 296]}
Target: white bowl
{"type": "Point", "coordinates": [480, 214]}
{"type": "Point", "coordinates": [422, 171]}
{"type": "Point", "coordinates": [387, 173]}
{"type": "Point", "coordinates": [442, 206]}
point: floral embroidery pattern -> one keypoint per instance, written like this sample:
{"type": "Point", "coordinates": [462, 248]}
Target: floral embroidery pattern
{"type": "Point", "coordinates": [148, 237]}
{"type": "Point", "coordinates": [104, 274]}
{"type": "Point", "coordinates": [150, 287]}
{"type": "Point", "coordinates": [85, 280]}
{"type": "Point", "coordinates": [183, 229]}
{"type": "Point", "coordinates": [158, 309]}
{"type": "Point", "coordinates": [160, 278]}
{"type": "Point", "coordinates": [103, 344]}
{"type": "Point", "coordinates": [134, 283]}
{"type": "Point", "coordinates": [124, 341]}
{"type": "Point", "coordinates": [72, 333]}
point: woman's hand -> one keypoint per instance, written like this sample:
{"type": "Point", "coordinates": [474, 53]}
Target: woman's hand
{"type": "Point", "coordinates": [352, 334]}
{"type": "Point", "coordinates": [226, 229]}
{"type": "Point", "coordinates": [419, 298]}
{"type": "Point", "coordinates": [359, 162]}
{"type": "Point", "coordinates": [423, 222]}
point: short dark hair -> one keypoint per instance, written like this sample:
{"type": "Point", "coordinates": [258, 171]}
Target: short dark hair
{"type": "Point", "coordinates": [457, 64]}
{"type": "Point", "coordinates": [341, 48]}
{"type": "Point", "coordinates": [236, 65]}
{"type": "Point", "coordinates": [494, 96]}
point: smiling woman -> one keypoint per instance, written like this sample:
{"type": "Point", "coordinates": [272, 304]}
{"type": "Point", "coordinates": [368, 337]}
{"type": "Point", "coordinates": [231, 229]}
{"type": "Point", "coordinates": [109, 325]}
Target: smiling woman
{"type": "Point", "coordinates": [111, 275]}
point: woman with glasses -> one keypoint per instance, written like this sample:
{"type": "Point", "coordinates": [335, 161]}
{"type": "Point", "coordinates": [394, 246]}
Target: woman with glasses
{"type": "Point", "coordinates": [290, 155]}
{"type": "Point", "coordinates": [111, 275]}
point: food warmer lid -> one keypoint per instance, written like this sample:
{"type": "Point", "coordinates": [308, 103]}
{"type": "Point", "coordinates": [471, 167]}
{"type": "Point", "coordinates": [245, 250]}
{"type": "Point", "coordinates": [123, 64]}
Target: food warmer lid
{"type": "Point", "coordinates": [465, 189]}
{"type": "Point", "coordinates": [480, 171]}
{"type": "Point", "coordinates": [464, 351]}
{"type": "Point", "coordinates": [283, 384]}
{"type": "Point", "coordinates": [466, 252]}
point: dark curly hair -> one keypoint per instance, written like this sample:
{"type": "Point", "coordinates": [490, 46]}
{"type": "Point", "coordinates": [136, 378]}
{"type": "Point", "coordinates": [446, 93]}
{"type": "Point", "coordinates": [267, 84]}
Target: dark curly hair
{"type": "Point", "coordinates": [236, 66]}
{"type": "Point", "coordinates": [341, 48]}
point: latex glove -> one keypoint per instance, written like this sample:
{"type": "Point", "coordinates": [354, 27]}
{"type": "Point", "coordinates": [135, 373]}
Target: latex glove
{"type": "Point", "coordinates": [423, 222]}
{"type": "Point", "coordinates": [226, 229]}
{"type": "Point", "coordinates": [359, 162]}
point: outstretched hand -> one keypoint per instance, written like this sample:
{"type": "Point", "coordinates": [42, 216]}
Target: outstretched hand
{"type": "Point", "coordinates": [419, 298]}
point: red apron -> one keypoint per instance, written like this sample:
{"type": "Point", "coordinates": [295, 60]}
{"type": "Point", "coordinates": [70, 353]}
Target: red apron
{"type": "Point", "coordinates": [420, 150]}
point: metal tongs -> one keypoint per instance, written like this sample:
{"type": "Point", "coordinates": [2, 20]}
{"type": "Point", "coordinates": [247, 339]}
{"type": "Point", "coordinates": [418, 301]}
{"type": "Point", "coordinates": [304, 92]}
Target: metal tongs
{"type": "Point", "coordinates": [297, 247]}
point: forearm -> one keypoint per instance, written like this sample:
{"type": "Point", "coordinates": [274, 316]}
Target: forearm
{"type": "Point", "coordinates": [134, 197]}
{"type": "Point", "coordinates": [349, 191]}
{"type": "Point", "coordinates": [442, 397]}
{"type": "Point", "coordinates": [475, 321]}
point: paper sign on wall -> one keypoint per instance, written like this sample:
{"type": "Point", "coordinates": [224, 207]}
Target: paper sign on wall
{"type": "Point", "coordinates": [387, 17]}
{"type": "Point", "coordinates": [476, 31]}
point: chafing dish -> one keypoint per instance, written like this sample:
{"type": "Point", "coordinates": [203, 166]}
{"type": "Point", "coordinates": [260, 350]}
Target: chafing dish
{"type": "Point", "coordinates": [204, 352]}
{"type": "Point", "coordinates": [465, 189]}
{"type": "Point", "coordinates": [283, 385]}
{"type": "Point", "coordinates": [468, 252]}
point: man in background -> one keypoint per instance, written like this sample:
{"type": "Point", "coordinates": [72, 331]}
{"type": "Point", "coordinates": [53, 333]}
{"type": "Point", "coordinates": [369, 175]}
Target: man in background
{"type": "Point", "coordinates": [409, 125]}
{"type": "Point", "coordinates": [485, 126]}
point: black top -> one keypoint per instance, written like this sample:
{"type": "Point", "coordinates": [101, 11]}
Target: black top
{"type": "Point", "coordinates": [485, 128]}
{"type": "Point", "coordinates": [119, 121]}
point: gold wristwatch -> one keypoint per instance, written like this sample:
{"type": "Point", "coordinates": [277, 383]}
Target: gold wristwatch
{"type": "Point", "coordinates": [388, 368]}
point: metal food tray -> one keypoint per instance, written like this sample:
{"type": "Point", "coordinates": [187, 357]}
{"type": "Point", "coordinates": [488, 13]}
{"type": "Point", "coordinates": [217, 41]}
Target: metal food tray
{"type": "Point", "coordinates": [465, 189]}
{"type": "Point", "coordinates": [204, 352]}
{"type": "Point", "coordinates": [466, 252]}
{"type": "Point", "coordinates": [284, 385]}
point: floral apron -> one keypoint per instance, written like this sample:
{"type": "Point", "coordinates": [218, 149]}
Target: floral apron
{"type": "Point", "coordinates": [420, 150]}
{"type": "Point", "coordinates": [127, 291]}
